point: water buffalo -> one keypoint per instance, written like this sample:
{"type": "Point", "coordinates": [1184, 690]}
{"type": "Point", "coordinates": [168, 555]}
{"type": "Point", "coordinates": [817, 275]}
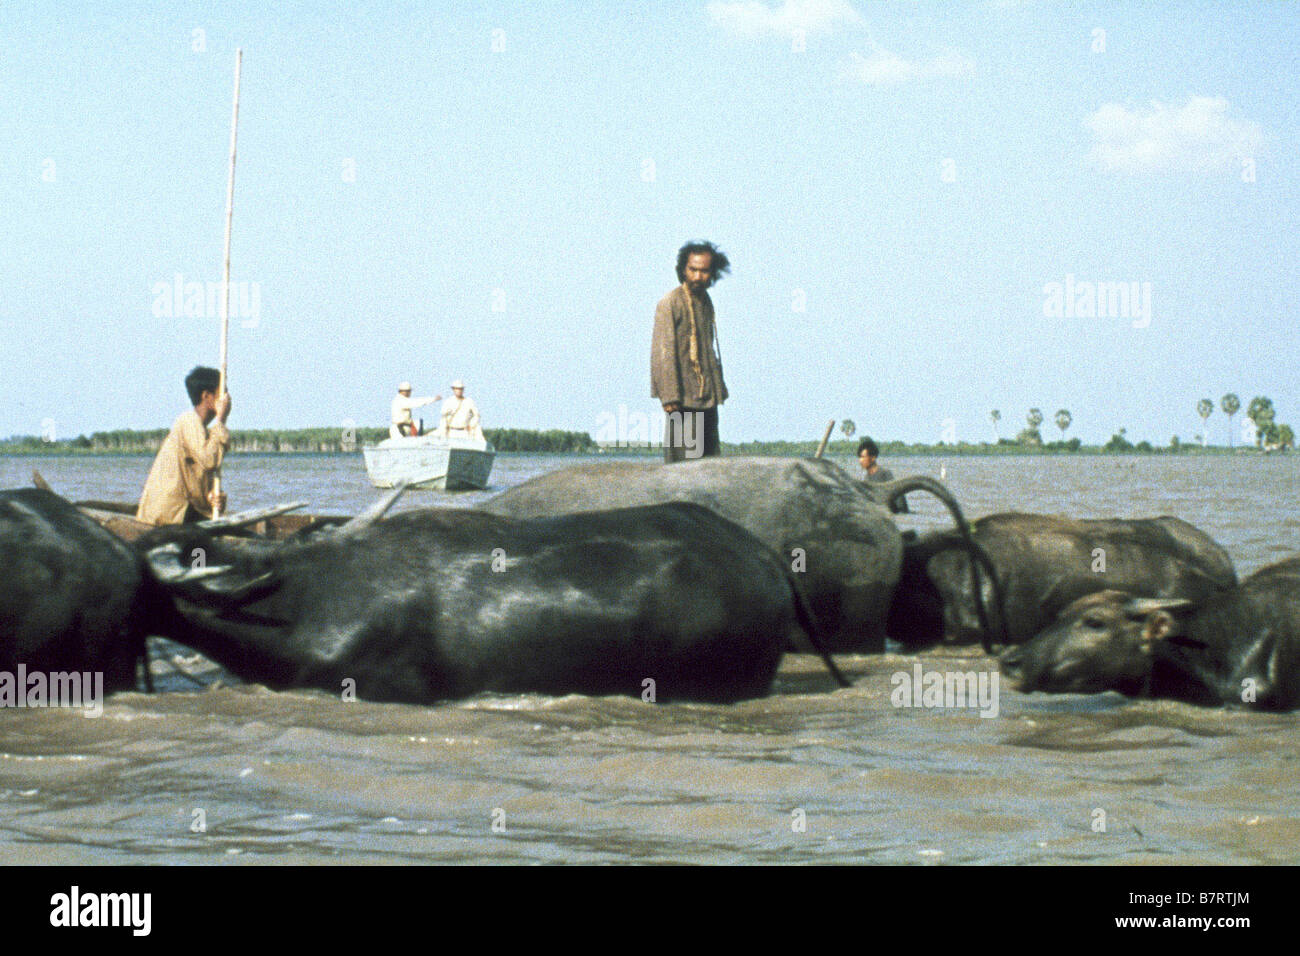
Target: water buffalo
{"type": "Point", "coordinates": [73, 598]}
{"type": "Point", "coordinates": [837, 533]}
{"type": "Point", "coordinates": [443, 603]}
{"type": "Point", "coordinates": [1039, 564]}
{"type": "Point", "coordinates": [1241, 646]}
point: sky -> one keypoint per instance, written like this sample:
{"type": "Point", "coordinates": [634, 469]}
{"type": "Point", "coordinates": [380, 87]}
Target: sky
{"type": "Point", "coordinates": [918, 200]}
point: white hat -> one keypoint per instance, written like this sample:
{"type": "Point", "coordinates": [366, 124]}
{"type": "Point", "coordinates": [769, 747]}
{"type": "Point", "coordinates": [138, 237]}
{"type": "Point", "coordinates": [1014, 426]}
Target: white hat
{"type": "Point", "coordinates": [404, 387]}
{"type": "Point", "coordinates": [458, 384]}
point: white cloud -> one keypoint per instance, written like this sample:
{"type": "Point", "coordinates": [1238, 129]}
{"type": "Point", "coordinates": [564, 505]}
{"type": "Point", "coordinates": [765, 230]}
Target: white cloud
{"type": "Point", "coordinates": [752, 18]}
{"type": "Point", "coordinates": [883, 68]}
{"type": "Point", "coordinates": [1198, 137]}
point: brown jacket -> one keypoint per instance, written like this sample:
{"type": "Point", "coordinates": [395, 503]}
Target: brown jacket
{"type": "Point", "coordinates": [672, 375]}
{"type": "Point", "coordinates": [182, 473]}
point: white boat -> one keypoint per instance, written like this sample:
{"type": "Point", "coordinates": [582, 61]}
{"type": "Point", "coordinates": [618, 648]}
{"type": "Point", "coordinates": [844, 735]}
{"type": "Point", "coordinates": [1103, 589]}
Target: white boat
{"type": "Point", "coordinates": [430, 461]}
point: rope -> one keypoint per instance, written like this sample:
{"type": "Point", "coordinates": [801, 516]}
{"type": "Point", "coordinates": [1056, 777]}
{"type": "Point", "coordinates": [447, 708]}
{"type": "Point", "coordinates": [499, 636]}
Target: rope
{"type": "Point", "coordinates": [695, 335]}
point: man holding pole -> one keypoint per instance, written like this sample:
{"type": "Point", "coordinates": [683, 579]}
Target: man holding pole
{"type": "Point", "coordinates": [685, 365]}
{"type": "Point", "coordinates": [180, 487]}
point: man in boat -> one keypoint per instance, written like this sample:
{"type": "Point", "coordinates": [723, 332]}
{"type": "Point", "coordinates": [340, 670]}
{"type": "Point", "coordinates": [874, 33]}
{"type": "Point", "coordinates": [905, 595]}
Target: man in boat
{"type": "Point", "coordinates": [402, 425]}
{"type": "Point", "coordinates": [460, 417]}
{"type": "Point", "coordinates": [179, 488]}
{"type": "Point", "coordinates": [685, 364]}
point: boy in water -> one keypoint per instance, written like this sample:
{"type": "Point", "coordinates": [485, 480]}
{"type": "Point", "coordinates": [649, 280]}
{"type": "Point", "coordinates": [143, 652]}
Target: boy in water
{"type": "Point", "coordinates": [868, 452]}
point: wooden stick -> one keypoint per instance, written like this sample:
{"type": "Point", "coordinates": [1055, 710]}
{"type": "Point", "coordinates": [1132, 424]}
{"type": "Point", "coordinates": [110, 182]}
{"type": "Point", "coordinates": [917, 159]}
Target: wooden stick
{"type": "Point", "coordinates": [826, 437]}
{"type": "Point", "coordinates": [225, 276]}
{"type": "Point", "coordinates": [245, 518]}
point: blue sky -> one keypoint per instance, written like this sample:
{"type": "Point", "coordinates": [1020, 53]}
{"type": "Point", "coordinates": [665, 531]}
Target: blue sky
{"type": "Point", "coordinates": [498, 193]}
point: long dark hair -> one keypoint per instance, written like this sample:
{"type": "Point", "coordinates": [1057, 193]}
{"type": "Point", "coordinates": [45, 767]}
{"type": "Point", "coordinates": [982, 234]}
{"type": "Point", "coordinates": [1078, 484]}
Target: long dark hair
{"type": "Point", "coordinates": [721, 264]}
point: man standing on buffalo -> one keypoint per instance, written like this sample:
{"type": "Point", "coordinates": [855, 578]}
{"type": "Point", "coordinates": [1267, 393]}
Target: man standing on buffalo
{"type": "Point", "coordinates": [685, 364]}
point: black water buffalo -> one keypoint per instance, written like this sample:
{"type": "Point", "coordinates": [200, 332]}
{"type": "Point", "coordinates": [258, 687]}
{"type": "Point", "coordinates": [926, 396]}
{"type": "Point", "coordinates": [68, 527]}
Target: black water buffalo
{"type": "Point", "coordinates": [72, 596]}
{"type": "Point", "coordinates": [1235, 647]}
{"type": "Point", "coordinates": [444, 603]}
{"type": "Point", "coordinates": [1039, 564]}
{"type": "Point", "coordinates": [834, 532]}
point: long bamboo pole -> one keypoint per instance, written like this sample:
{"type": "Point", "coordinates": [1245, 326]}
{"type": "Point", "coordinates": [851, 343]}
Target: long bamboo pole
{"type": "Point", "coordinates": [225, 275]}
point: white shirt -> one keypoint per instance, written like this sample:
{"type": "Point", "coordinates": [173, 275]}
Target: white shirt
{"type": "Point", "coordinates": [401, 413]}
{"type": "Point", "coordinates": [460, 415]}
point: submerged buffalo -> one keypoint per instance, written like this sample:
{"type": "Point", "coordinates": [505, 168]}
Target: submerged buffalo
{"type": "Point", "coordinates": [837, 534]}
{"type": "Point", "coordinates": [1038, 564]}
{"type": "Point", "coordinates": [1241, 646]}
{"type": "Point", "coordinates": [444, 603]}
{"type": "Point", "coordinates": [72, 596]}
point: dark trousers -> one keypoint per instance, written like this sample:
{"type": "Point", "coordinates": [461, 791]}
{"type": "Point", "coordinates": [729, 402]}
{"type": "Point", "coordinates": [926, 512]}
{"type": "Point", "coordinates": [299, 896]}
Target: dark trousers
{"type": "Point", "coordinates": [691, 433]}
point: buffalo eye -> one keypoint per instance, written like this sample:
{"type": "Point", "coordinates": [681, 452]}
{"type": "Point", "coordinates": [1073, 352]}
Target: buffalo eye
{"type": "Point", "coordinates": [1094, 621]}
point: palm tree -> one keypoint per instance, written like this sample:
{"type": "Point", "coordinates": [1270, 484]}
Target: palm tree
{"type": "Point", "coordinates": [1031, 435]}
{"type": "Point", "coordinates": [1204, 408]}
{"type": "Point", "coordinates": [848, 427]}
{"type": "Point", "coordinates": [997, 417]}
{"type": "Point", "coordinates": [1063, 420]}
{"type": "Point", "coordinates": [1230, 404]}
{"type": "Point", "coordinates": [1261, 412]}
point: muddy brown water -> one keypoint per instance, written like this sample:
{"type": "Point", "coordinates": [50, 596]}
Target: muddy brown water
{"type": "Point", "coordinates": [234, 773]}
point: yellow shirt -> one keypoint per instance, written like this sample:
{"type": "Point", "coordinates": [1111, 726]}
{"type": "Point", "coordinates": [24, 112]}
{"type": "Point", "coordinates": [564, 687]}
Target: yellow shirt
{"type": "Point", "coordinates": [183, 471]}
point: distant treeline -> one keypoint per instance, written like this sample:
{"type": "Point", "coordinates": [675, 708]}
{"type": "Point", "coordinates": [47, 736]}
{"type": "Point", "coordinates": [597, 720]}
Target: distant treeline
{"type": "Point", "coordinates": [1117, 445]}
{"type": "Point", "coordinates": [555, 441]}
{"type": "Point", "coordinates": [524, 439]}
{"type": "Point", "coordinates": [341, 440]}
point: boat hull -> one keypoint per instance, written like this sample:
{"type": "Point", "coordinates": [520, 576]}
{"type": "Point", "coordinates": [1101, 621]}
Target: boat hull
{"type": "Point", "coordinates": [440, 464]}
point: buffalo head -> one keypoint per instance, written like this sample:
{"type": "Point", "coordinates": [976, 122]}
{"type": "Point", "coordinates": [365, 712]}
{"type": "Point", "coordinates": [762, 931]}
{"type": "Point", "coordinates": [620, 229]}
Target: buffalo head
{"type": "Point", "coordinates": [1103, 641]}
